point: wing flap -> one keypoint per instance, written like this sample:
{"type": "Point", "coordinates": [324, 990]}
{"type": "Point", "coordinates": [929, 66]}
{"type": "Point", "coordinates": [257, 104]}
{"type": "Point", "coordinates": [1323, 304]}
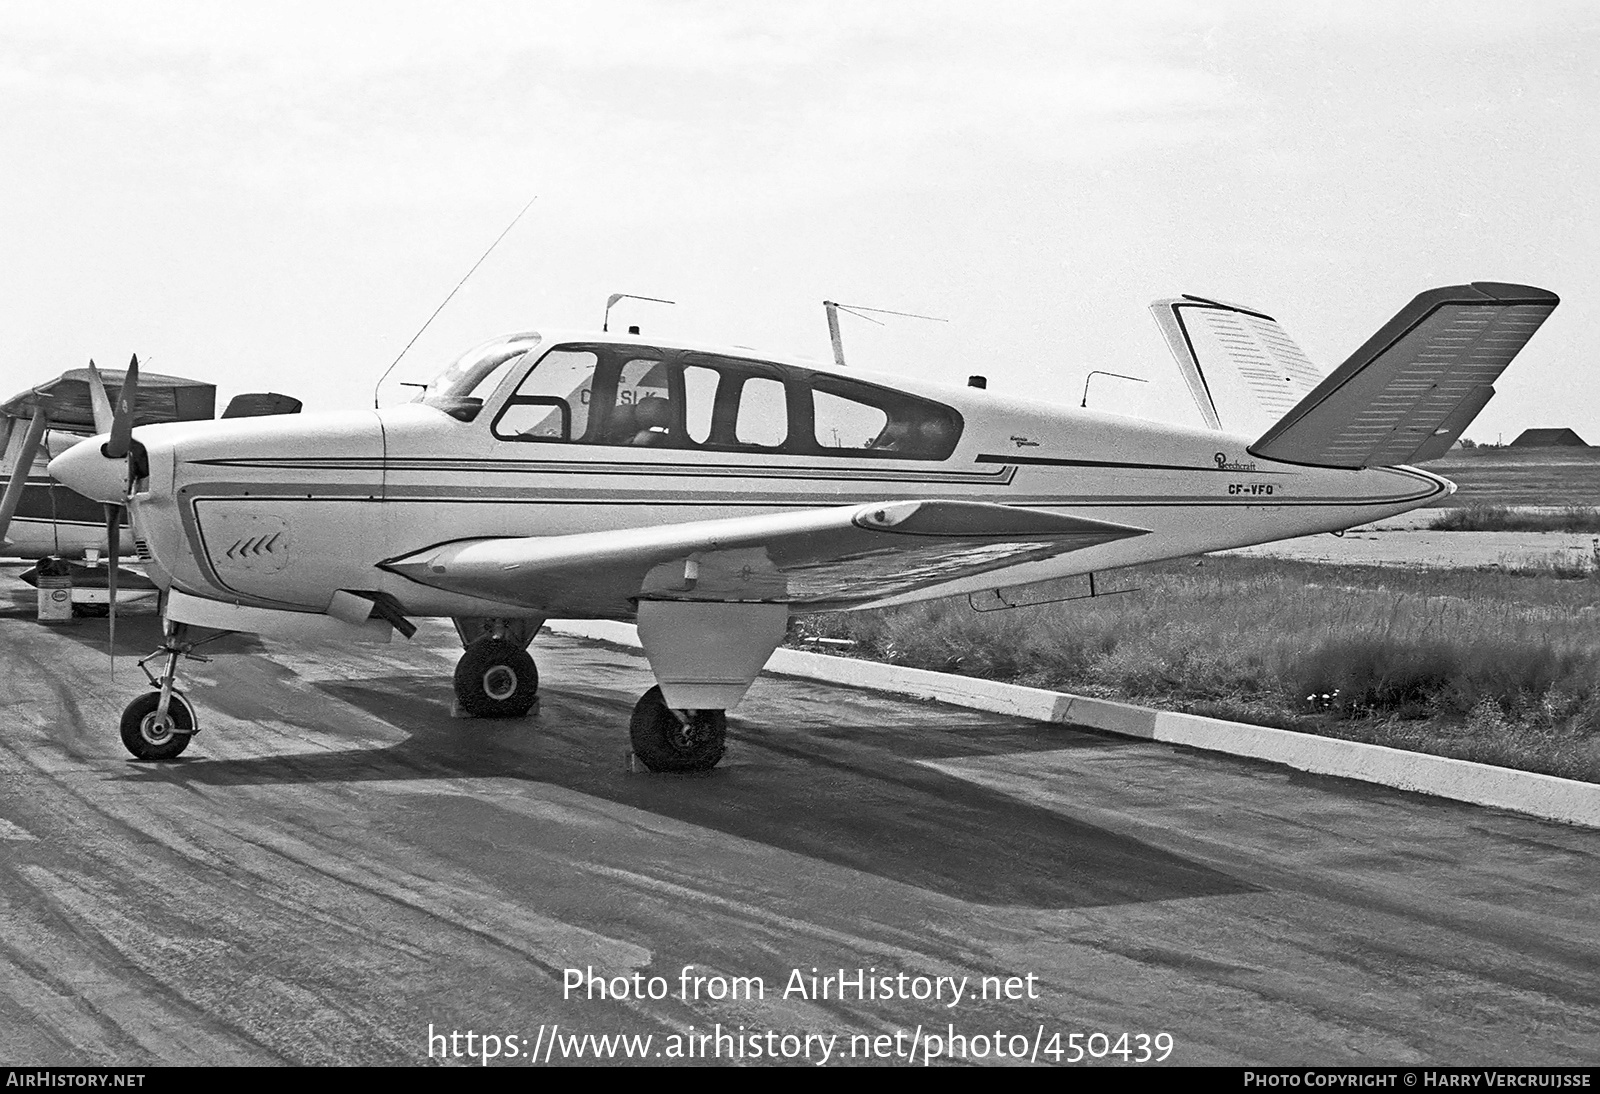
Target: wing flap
{"type": "Point", "coordinates": [1410, 391]}
{"type": "Point", "coordinates": [819, 558]}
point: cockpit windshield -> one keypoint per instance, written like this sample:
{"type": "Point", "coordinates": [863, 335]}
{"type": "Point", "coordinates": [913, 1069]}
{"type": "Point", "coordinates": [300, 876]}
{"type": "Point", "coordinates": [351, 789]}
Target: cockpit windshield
{"type": "Point", "coordinates": [460, 389]}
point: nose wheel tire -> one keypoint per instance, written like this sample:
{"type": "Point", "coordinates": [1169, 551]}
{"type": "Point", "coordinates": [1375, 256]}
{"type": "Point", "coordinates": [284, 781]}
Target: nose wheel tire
{"type": "Point", "coordinates": [676, 740]}
{"type": "Point", "coordinates": [496, 679]}
{"type": "Point", "coordinates": [151, 738]}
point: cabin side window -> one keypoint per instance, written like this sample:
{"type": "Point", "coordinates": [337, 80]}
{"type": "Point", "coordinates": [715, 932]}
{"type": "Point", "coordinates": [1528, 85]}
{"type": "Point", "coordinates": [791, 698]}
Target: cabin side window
{"type": "Point", "coordinates": [552, 402]}
{"type": "Point", "coordinates": [763, 419]}
{"type": "Point", "coordinates": [700, 386]}
{"type": "Point", "coordinates": [622, 396]}
{"type": "Point", "coordinates": [640, 410]}
{"type": "Point", "coordinates": [855, 419]}
{"type": "Point", "coordinates": [842, 422]}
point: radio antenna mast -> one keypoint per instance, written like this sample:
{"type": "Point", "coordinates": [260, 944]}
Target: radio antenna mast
{"type": "Point", "coordinates": [833, 309]}
{"type": "Point", "coordinates": [447, 299]}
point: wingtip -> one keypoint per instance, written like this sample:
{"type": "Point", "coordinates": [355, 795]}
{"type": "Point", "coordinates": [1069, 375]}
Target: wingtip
{"type": "Point", "coordinates": [1520, 294]}
{"type": "Point", "coordinates": [1484, 292]}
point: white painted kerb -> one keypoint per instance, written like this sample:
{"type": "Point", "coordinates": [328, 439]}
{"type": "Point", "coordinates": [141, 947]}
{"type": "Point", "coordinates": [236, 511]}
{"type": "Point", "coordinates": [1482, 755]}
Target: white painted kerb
{"type": "Point", "coordinates": [1461, 780]}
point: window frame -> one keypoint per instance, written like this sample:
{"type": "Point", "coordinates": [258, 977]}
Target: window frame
{"type": "Point", "coordinates": [733, 373]}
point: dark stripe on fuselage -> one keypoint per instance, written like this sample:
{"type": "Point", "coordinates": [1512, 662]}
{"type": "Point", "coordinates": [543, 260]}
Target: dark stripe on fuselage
{"type": "Point", "coordinates": [1051, 461]}
{"type": "Point", "coordinates": [790, 501]}
{"type": "Point", "coordinates": [886, 472]}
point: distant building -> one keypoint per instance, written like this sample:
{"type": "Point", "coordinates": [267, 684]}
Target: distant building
{"type": "Point", "coordinates": [1548, 438]}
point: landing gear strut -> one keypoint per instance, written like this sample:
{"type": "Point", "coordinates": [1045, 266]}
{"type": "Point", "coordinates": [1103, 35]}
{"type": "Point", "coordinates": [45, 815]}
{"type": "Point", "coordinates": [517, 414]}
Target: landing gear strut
{"type": "Point", "coordinates": [158, 724]}
{"type": "Point", "coordinates": [676, 740]}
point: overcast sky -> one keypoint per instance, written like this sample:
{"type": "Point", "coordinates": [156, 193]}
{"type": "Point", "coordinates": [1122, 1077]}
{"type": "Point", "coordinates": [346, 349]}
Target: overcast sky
{"type": "Point", "coordinates": [277, 196]}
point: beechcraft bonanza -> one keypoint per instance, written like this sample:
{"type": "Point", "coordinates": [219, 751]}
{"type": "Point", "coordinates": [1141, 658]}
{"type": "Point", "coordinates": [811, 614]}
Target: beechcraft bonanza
{"type": "Point", "coordinates": [710, 495]}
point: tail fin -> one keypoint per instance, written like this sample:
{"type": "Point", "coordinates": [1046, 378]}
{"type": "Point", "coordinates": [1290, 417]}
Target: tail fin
{"type": "Point", "coordinates": [1410, 391]}
{"type": "Point", "coordinates": [1243, 371]}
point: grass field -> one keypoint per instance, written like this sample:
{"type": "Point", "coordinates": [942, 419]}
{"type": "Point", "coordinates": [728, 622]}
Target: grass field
{"type": "Point", "coordinates": [1521, 476]}
{"type": "Point", "coordinates": [1501, 668]}
{"type": "Point", "coordinates": [1480, 517]}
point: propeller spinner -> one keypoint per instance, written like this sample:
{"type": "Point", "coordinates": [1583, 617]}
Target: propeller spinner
{"type": "Point", "coordinates": [105, 471]}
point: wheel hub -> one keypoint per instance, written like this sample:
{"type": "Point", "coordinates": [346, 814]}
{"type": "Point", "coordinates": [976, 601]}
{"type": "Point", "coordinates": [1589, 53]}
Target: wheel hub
{"type": "Point", "coordinates": [500, 683]}
{"type": "Point", "coordinates": [685, 733]}
{"type": "Point", "coordinates": [156, 730]}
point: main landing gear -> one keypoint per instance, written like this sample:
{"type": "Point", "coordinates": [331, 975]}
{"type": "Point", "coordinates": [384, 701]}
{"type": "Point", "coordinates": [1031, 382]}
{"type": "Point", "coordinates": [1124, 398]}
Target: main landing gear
{"type": "Point", "coordinates": [495, 677]}
{"type": "Point", "coordinates": [676, 740]}
{"type": "Point", "coordinates": [158, 724]}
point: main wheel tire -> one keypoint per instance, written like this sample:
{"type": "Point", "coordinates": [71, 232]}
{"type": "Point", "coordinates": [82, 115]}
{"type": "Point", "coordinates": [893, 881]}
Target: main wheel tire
{"type": "Point", "coordinates": [676, 740]}
{"type": "Point", "coordinates": [496, 679]}
{"type": "Point", "coordinates": [149, 739]}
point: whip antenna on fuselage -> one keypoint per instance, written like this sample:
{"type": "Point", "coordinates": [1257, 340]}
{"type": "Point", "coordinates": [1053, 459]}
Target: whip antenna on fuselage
{"type": "Point", "coordinates": [611, 301]}
{"type": "Point", "coordinates": [1102, 372]}
{"type": "Point", "coordinates": [447, 299]}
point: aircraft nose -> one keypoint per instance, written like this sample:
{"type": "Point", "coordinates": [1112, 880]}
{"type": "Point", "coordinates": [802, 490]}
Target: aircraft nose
{"type": "Point", "coordinates": [85, 469]}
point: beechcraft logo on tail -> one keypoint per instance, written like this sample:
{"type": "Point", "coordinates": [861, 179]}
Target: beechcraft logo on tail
{"type": "Point", "coordinates": [1223, 464]}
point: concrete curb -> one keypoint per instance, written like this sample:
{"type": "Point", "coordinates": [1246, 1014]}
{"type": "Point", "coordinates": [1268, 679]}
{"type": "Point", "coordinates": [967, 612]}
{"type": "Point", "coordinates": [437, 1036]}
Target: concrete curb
{"type": "Point", "coordinates": [1542, 796]}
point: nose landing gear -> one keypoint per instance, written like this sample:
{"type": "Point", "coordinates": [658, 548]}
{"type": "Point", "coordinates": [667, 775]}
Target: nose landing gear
{"type": "Point", "coordinates": [158, 724]}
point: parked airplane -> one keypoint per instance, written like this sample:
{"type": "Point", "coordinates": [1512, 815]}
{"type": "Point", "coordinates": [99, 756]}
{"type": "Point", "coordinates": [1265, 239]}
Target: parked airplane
{"type": "Point", "coordinates": [710, 495]}
{"type": "Point", "coordinates": [41, 518]}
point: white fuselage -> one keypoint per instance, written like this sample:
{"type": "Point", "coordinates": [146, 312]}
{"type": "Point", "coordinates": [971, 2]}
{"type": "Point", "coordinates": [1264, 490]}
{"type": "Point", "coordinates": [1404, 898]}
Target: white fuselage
{"type": "Point", "coordinates": [285, 512]}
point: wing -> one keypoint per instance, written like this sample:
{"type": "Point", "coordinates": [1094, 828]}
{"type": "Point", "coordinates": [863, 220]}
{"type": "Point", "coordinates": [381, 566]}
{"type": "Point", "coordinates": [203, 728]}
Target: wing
{"type": "Point", "coordinates": [819, 558]}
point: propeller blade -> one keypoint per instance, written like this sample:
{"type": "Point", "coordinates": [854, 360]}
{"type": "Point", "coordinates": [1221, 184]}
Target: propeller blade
{"type": "Point", "coordinates": [99, 401]}
{"type": "Point", "coordinates": [31, 440]}
{"type": "Point", "coordinates": [113, 552]}
{"type": "Point", "coordinates": [122, 419]}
